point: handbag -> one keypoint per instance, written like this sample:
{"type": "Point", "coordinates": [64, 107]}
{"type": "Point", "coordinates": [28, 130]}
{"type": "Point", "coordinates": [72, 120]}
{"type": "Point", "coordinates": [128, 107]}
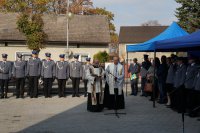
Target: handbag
{"type": "Point", "coordinates": [148, 86]}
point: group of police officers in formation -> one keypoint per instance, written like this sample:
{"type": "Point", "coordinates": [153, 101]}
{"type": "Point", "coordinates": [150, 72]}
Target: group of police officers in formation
{"type": "Point", "coordinates": [46, 69]}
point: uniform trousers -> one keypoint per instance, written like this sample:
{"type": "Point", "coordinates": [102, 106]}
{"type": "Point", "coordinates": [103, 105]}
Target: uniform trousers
{"type": "Point", "coordinates": [48, 82]}
{"type": "Point", "coordinates": [61, 87]}
{"type": "Point", "coordinates": [75, 85]}
{"type": "Point", "coordinates": [20, 83]}
{"type": "Point", "coordinates": [33, 86]}
{"type": "Point", "coordinates": [4, 87]}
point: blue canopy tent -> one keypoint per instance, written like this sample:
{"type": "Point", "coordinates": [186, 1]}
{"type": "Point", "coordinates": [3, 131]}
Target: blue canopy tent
{"type": "Point", "coordinates": [185, 43]}
{"type": "Point", "coordinates": [173, 31]}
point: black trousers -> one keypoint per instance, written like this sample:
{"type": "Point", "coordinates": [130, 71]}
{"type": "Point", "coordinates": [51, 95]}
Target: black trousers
{"type": "Point", "coordinates": [143, 82]}
{"type": "Point", "coordinates": [4, 87]}
{"type": "Point", "coordinates": [75, 85]}
{"type": "Point", "coordinates": [61, 87]}
{"type": "Point", "coordinates": [48, 82]}
{"type": "Point", "coordinates": [85, 86]}
{"type": "Point", "coordinates": [20, 83]}
{"type": "Point", "coordinates": [134, 86]}
{"type": "Point", "coordinates": [193, 101]}
{"type": "Point", "coordinates": [33, 86]}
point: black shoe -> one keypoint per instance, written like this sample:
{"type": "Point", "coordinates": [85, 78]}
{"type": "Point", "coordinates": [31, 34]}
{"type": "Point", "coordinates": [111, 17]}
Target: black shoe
{"type": "Point", "coordinates": [73, 95]}
{"type": "Point", "coordinates": [17, 97]}
{"type": "Point", "coordinates": [85, 95]}
{"type": "Point", "coordinates": [77, 95]}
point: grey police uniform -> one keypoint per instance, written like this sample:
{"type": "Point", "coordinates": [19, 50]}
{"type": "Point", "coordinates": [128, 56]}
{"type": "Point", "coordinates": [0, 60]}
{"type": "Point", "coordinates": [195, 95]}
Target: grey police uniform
{"type": "Point", "coordinates": [180, 76]}
{"type": "Point", "coordinates": [62, 75]}
{"type": "Point", "coordinates": [33, 72]}
{"type": "Point", "coordinates": [191, 73]}
{"type": "Point", "coordinates": [76, 73]}
{"type": "Point", "coordinates": [179, 81]}
{"type": "Point", "coordinates": [19, 72]}
{"type": "Point", "coordinates": [48, 74]}
{"type": "Point", "coordinates": [5, 75]}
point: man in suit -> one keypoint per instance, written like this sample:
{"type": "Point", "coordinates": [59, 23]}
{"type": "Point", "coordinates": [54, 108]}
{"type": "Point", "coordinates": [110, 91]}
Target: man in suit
{"type": "Point", "coordinates": [85, 80]}
{"type": "Point", "coordinates": [179, 81]}
{"type": "Point", "coordinates": [33, 73]}
{"type": "Point", "coordinates": [76, 73]}
{"type": "Point", "coordinates": [19, 73]}
{"type": "Point", "coordinates": [5, 75]}
{"type": "Point", "coordinates": [48, 74]}
{"type": "Point", "coordinates": [144, 68]}
{"type": "Point", "coordinates": [134, 70]}
{"type": "Point", "coordinates": [62, 74]}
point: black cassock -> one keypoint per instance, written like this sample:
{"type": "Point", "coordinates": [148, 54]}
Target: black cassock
{"type": "Point", "coordinates": [94, 108]}
{"type": "Point", "coordinates": [109, 100]}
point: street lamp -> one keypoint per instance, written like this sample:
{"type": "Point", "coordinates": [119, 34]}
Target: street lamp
{"type": "Point", "coordinates": [68, 15]}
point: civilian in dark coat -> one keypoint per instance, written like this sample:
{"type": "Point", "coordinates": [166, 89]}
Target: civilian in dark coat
{"type": "Point", "coordinates": [134, 70]}
{"type": "Point", "coordinates": [144, 68]}
{"type": "Point", "coordinates": [162, 76]}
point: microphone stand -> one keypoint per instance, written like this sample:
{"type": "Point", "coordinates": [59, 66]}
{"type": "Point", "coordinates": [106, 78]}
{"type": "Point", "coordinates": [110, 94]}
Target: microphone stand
{"type": "Point", "coordinates": [116, 113]}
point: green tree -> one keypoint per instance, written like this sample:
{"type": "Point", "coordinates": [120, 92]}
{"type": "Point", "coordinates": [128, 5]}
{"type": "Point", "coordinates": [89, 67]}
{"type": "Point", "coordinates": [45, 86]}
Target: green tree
{"type": "Point", "coordinates": [110, 16]}
{"type": "Point", "coordinates": [101, 56]}
{"type": "Point", "coordinates": [188, 14]}
{"type": "Point", "coordinates": [30, 21]}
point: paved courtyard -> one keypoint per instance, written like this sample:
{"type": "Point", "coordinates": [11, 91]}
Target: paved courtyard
{"type": "Point", "coordinates": [69, 115]}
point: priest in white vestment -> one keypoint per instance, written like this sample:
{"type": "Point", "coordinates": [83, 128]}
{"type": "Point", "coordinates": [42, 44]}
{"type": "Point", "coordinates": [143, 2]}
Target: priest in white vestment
{"type": "Point", "coordinates": [113, 94]}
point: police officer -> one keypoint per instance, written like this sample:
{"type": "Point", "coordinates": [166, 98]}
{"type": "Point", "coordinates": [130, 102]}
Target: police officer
{"type": "Point", "coordinates": [33, 73]}
{"type": "Point", "coordinates": [48, 74]}
{"type": "Point", "coordinates": [76, 72]}
{"type": "Point", "coordinates": [196, 104]}
{"type": "Point", "coordinates": [85, 68]}
{"type": "Point", "coordinates": [62, 74]}
{"type": "Point", "coordinates": [179, 81]}
{"type": "Point", "coordinates": [5, 75]}
{"type": "Point", "coordinates": [19, 73]}
{"type": "Point", "coordinates": [192, 71]}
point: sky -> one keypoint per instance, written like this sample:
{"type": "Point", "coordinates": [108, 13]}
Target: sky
{"type": "Point", "coordinates": [136, 12]}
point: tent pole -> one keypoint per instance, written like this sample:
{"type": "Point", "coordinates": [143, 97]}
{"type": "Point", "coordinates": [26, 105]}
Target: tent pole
{"type": "Point", "coordinates": [154, 87]}
{"type": "Point", "coordinates": [127, 74]}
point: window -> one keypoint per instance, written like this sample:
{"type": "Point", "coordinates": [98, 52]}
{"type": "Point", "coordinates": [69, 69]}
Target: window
{"type": "Point", "coordinates": [82, 56]}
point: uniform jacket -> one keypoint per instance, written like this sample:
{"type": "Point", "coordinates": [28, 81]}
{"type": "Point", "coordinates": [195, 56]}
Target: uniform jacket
{"type": "Point", "coordinates": [5, 70]}
{"type": "Point", "coordinates": [62, 70]}
{"type": "Point", "coordinates": [76, 70]}
{"type": "Point", "coordinates": [196, 83]}
{"type": "Point", "coordinates": [34, 67]}
{"type": "Point", "coordinates": [48, 69]}
{"type": "Point", "coordinates": [180, 76]}
{"type": "Point", "coordinates": [191, 73]}
{"type": "Point", "coordinates": [85, 68]}
{"type": "Point", "coordinates": [19, 69]}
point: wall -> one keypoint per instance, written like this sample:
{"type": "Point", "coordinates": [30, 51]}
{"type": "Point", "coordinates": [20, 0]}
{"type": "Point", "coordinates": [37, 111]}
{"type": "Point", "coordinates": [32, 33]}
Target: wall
{"type": "Point", "coordinates": [53, 50]}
